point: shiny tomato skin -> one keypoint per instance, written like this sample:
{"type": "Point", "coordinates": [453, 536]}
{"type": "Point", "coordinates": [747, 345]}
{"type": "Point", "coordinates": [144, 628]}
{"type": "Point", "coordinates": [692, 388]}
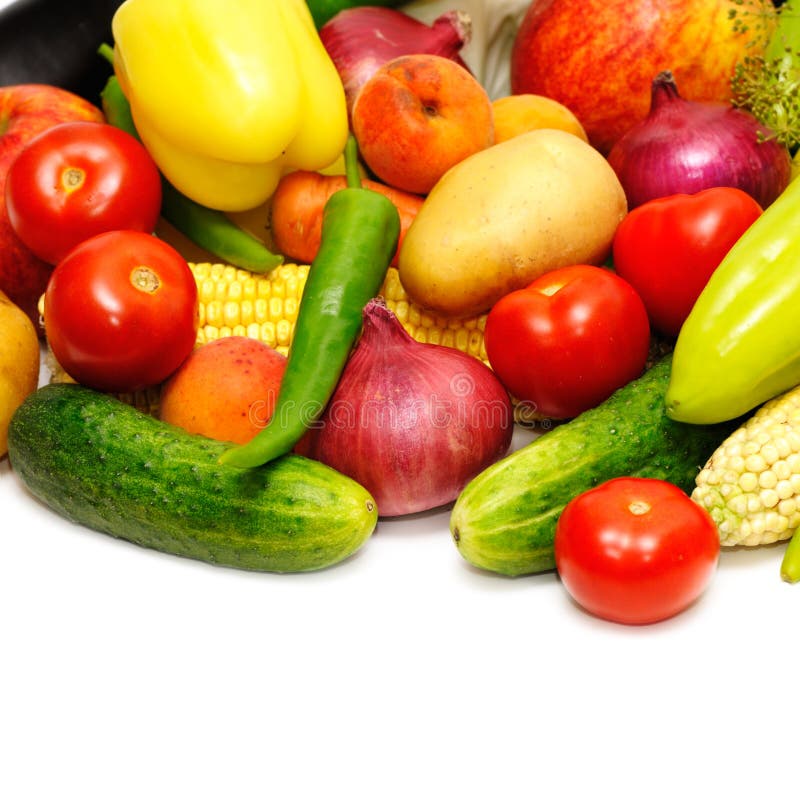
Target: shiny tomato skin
{"type": "Point", "coordinates": [568, 340]}
{"type": "Point", "coordinates": [635, 550]}
{"type": "Point", "coordinates": [668, 248]}
{"type": "Point", "coordinates": [76, 180]}
{"type": "Point", "coordinates": [121, 311]}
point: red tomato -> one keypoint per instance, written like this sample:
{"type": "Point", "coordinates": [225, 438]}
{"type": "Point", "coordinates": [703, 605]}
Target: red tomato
{"type": "Point", "coordinates": [667, 248]}
{"type": "Point", "coordinates": [79, 179]}
{"type": "Point", "coordinates": [569, 340]}
{"type": "Point", "coordinates": [121, 311]}
{"type": "Point", "coordinates": [635, 550]}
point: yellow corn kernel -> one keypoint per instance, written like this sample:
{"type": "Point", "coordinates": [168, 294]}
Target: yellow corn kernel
{"type": "Point", "coordinates": [236, 302]}
{"type": "Point", "coordinates": [146, 400]}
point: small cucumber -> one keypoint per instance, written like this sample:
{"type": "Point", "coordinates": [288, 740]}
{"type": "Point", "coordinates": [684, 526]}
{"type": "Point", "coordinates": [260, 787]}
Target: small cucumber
{"type": "Point", "coordinates": [505, 519]}
{"type": "Point", "coordinates": [103, 464]}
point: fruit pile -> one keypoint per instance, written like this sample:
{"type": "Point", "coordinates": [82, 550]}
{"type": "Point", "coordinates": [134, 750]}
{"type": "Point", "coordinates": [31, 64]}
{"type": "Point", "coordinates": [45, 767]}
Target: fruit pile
{"type": "Point", "coordinates": [344, 271]}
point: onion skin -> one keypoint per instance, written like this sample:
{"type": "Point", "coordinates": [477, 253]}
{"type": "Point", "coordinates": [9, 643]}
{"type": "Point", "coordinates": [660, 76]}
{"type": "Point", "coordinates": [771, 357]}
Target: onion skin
{"type": "Point", "coordinates": [413, 423]}
{"type": "Point", "coordinates": [684, 146]}
{"type": "Point", "coordinates": [359, 40]}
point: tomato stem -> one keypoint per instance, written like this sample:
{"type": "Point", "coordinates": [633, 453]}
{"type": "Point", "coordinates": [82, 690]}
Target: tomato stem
{"type": "Point", "coordinates": [72, 178]}
{"type": "Point", "coordinates": [638, 507]}
{"type": "Point", "coordinates": [145, 280]}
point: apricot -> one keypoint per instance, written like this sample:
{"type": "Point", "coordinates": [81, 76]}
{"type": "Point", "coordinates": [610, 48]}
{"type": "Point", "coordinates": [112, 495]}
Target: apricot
{"type": "Point", "coordinates": [419, 115]}
{"type": "Point", "coordinates": [226, 389]}
{"type": "Point", "coordinates": [520, 113]}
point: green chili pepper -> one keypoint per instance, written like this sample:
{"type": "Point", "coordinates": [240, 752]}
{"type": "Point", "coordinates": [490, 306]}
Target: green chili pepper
{"type": "Point", "coordinates": [206, 227]}
{"type": "Point", "coordinates": [360, 230]}
{"type": "Point", "coordinates": [740, 344]}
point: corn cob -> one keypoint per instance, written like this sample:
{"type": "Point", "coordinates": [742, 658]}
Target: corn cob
{"type": "Point", "coordinates": [236, 302]}
{"type": "Point", "coordinates": [751, 483]}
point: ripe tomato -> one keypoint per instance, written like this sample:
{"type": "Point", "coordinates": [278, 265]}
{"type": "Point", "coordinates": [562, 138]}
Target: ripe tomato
{"type": "Point", "coordinates": [568, 340]}
{"type": "Point", "coordinates": [668, 248]}
{"type": "Point", "coordinates": [635, 550]}
{"type": "Point", "coordinates": [121, 311]}
{"type": "Point", "coordinates": [76, 180]}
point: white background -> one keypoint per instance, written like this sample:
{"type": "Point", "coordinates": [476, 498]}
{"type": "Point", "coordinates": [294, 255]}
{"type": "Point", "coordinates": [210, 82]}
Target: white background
{"type": "Point", "coordinates": [400, 673]}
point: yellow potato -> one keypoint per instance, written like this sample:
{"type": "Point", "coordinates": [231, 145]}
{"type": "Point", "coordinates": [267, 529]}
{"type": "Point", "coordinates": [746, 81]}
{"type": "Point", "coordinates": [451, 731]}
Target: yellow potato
{"type": "Point", "coordinates": [520, 113]}
{"type": "Point", "coordinates": [506, 215]}
{"type": "Point", "coordinates": [19, 363]}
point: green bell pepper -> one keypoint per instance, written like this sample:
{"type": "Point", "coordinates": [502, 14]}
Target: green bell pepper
{"type": "Point", "coordinates": [740, 344]}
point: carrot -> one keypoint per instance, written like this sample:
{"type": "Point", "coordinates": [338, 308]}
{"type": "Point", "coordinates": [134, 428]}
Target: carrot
{"type": "Point", "coordinates": [297, 205]}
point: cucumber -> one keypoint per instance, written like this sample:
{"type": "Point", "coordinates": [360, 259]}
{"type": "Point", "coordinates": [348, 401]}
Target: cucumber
{"type": "Point", "coordinates": [101, 463]}
{"type": "Point", "coordinates": [504, 520]}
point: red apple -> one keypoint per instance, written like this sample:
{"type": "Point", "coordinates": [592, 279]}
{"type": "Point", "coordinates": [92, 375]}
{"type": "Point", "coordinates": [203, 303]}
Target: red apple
{"type": "Point", "coordinates": [25, 111]}
{"type": "Point", "coordinates": [599, 57]}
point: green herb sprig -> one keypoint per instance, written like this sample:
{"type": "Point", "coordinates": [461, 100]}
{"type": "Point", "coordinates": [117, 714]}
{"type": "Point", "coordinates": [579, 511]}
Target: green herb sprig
{"type": "Point", "coordinates": [768, 85]}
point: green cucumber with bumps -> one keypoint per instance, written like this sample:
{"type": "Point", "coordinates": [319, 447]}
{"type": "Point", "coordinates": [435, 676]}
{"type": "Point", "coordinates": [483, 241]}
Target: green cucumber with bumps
{"type": "Point", "coordinates": [101, 463]}
{"type": "Point", "coordinates": [504, 520]}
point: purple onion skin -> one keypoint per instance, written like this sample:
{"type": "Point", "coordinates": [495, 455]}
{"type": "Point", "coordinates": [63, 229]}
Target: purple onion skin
{"type": "Point", "coordinates": [411, 422]}
{"type": "Point", "coordinates": [684, 146]}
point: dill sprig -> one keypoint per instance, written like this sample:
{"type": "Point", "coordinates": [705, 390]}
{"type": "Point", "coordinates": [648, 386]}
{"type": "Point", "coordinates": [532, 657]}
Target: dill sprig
{"type": "Point", "coordinates": [768, 84]}
{"type": "Point", "coordinates": [754, 17]}
{"type": "Point", "coordinates": [770, 91]}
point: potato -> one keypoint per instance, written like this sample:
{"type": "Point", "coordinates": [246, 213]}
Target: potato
{"type": "Point", "coordinates": [504, 216]}
{"type": "Point", "coordinates": [19, 363]}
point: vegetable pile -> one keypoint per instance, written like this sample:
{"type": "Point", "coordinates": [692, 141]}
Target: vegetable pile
{"type": "Point", "coordinates": [293, 289]}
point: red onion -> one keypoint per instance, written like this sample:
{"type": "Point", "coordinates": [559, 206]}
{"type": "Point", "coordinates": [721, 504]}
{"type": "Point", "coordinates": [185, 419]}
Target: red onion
{"type": "Point", "coordinates": [361, 39]}
{"type": "Point", "coordinates": [411, 422]}
{"type": "Point", "coordinates": [685, 146]}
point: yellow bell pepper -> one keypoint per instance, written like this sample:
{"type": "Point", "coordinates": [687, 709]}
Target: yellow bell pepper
{"type": "Point", "coordinates": [228, 94]}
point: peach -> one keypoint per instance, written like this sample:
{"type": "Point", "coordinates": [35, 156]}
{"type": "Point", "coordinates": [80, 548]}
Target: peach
{"type": "Point", "coordinates": [520, 113]}
{"type": "Point", "coordinates": [226, 389]}
{"type": "Point", "coordinates": [419, 115]}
